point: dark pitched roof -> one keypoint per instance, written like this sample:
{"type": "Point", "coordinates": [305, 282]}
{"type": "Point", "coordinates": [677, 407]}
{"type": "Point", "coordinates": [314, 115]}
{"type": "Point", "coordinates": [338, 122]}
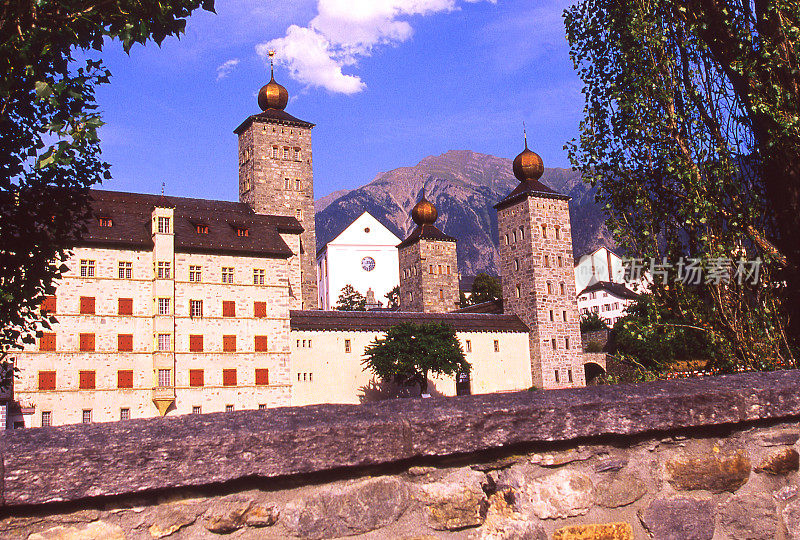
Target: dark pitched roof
{"type": "Point", "coordinates": [377, 321]}
{"type": "Point", "coordinates": [273, 116]}
{"type": "Point", "coordinates": [429, 232]}
{"type": "Point", "coordinates": [492, 306]}
{"type": "Point", "coordinates": [130, 215]}
{"type": "Point", "coordinates": [617, 289]}
{"type": "Point", "coordinates": [529, 188]}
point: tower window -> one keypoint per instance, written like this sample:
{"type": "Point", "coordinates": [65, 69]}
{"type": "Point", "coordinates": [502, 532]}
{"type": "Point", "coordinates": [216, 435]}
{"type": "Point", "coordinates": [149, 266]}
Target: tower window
{"type": "Point", "coordinates": [297, 184]}
{"type": "Point", "coordinates": [514, 235]}
{"type": "Point", "coordinates": [285, 153]}
{"type": "Point", "coordinates": [163, 225]}
{"type": "Point", "coordinates": [569, 375]}
{"type": "Point", "coordinates": [441, 294]}
{"type": "Point", "coordinates": [497, 345]}
{"type": "Point", "coordinates": [164, 377]}
{"type": "Point", "coordinates": [164, 342]}
{"type": "Point", "coordinates": [549, 288]}
{"type": "Point", "coordinates": [558, 233]}
{"type": "Point", "coordinates": [547, 261]}
{"type": "Point", "coordinates": [297, 154]}
{"type": "Point", "coordinates": [521, 233]}
{"type": "Point", "coordinates": [506, 239]}
{"type": "Point", "coordinates": [431, 268]}
{"type": "Point", "coordinates": [274, 152]}
{"type": "Point", "coordinates": [440, 269]}
{"type": "Point", "coordinates": [544, 231]}
{"type": "Point", "coordinates": [566, 345]}
{"type": "Point", "coordinates": [287, 184]}
{"type": "Point", "coordinates": [552, 318]}
{"type": "Point", "coordinates": [564, 313]}
{"type": "Point", "coordinates": [557, 377]}
{"type": "Point", "coordinates": [560, 261]}
{"type": "Point", "coordinates": [164, 270]}
{"type": "Point", "coordinates": [299, 214]}
{"type": "Point", "coordinates": [518, 292]}
{"type": "Point", "coordinates": [163, 306]}
{"type": "Point", "coordinates": [554, 343]}
{"type": "Point", "coordinates": [516, 264]}
{"type": "Point", "coordinates": [105, 222]}
{"type": "Point", "coordinates": [562, 288]}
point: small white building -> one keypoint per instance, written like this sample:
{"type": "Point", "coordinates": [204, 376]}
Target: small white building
{"type": "Point", "coordinates": [600, 278]}
{"type": "Point", "coordinates": [364, 255]}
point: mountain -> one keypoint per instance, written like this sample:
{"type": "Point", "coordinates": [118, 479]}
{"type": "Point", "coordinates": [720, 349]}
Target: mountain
{"type": "Point", "coordinates": [464, 186]}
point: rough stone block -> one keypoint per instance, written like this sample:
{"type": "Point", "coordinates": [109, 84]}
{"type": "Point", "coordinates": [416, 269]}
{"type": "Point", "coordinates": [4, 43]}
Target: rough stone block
{"type": "Point", "coordinates": [753, 517]}
{"type": "Point", "coordinates": [720, 469]}
{"type": "Point", "coordinates": [781, 461]}
{"type": "Point", "coordinates": [93, 531]}
{"type": "Point", "coordinates": [600, 531]}
{"type": "Point", "coordinates": [619, 490]}
{"type": "Point", "coordinates": [679, 519]}
{"type": "Point", "coordinates": [456, 502]}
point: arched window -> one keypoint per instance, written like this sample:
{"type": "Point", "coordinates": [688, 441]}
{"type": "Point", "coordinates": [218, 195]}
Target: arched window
{"type": "Point", "coordinates": [516, 264]}
{"type": "Point", "coordinates": [518, 292]}
{"type": "Point", "coordinates": [521, 233]}
{"type": "Point", "coordinates": [515, 236]}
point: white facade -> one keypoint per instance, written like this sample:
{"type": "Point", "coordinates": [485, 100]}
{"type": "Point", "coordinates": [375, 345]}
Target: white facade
{"type": "Point", "coordinates": [602, 289]}
{"type": "Point", "coordinates": [364, 255]}
{"type": "Point", "coordinates": [609, 304]}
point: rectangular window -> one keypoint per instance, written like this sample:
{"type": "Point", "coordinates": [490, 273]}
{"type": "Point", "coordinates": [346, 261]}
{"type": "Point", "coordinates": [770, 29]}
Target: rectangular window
{"type": "Point", "coordinates": [124, 414]}
{"type": "Point", "coordinates": [262, 406]}
{"type": "Point", "coordinates": [259, 274]}
{"type": "Point", "coordinates": [347, 348]}
{"type": "Point", "coordinates": [430, 269]}
{"type": "Point", "coordinates": [164, 270]}
{"type": "Point", "coordinates": [557, 376]}
{"type": "Point", "coordinates": [87, 268]}
{"type": "Point", "coordinates": [275, 152]}
{"type": "Point", "coordinates": [86, 380]}
{"type": "Point", "coordinates": [228, 408]}
{"type": "Point", "coordinates": [227, 274]}
{"type": "Point", "coordinates": [195, 308]}
{"type": "Point", "coordinates": [285, 153]}
{"type": "Point", "coordinates": [195, 274]}
{"type": "Point", "coordinates": [86, 416]}
{"type": "Point", "coordinates": [261, 343]}
{"type": "Point", "coordinates": [164, 377]}
{"type": "Point", "coordinates": [197, 409]}
{"type": "Point", "coordinates": [125, 270]}
{"type": "Point", "coordinates": [566, 344]}
{"type": "Point", "coordinates": [564, 314]}
{"type": "Point", "coordinates": [259, 309]}
{"type": "Point", "coordinates": [47, 380]}
{"type": "Point", "coordinates": [228, 377]}
{"type": "Point", "coordinates": [105, 222]}
{"type": "Point", "coordinates": [163, 225]}
{"type": "Point", "coordinates": [125, 378]}
{"type": "Point", "coordinates": [87, 305]}
{"type": "Point", "coordinates": [125, 342]}
{"type": "Point", "coordinates": [297, 154]}
{"type": "Point", "coordinates": [569, 375]}
{"type": "Point", "coordinates": [229, 343]}
{"type": "Point", "coordinates": [164, 342]}
{"type": "Point", "coordinates": [552, 317]}
{"type": "Point", "coordinates": [196, 377]}
{"type": "Point", "coordinates": [228, 308]}
{"type": "Point", "coordinates": [497, 345]}
{"type": "Point", "coordinates": [202, 229]}
{"type": "Point", "coordinates": [297, 184]}
{"type": "Point", "coordinates": [163, 306]}
{"type": "Point", "coordinates": [46, 419]}
{"type": "Point", "coordinates": [196, 343]}
{"type": "Point", "coordinates": [125, 306]}
{"type": "Point", "coordinates": [441, 294]}
{"type": "Point", "coordinates": [287, 184]}
{"type": "Point", "coordinates": [298, 214]}
{"type": "Point", "coordinates": [242, 232]}
{"type": "Point", "coordinates": [469, 345]}
{"type": "Point", "coordinates": [86, 342]}
{"type": "Point", "coordinates": [48, 341]}
{"type": "Point", "coordinates": [554, 343]}
{"type": "Point", "coordinates": [262, 376]}
{"type": "Point", "coordinates": [49, 304]}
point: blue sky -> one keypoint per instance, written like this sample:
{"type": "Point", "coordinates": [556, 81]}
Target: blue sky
{"type": "Point", "coordinates": [387, 82]}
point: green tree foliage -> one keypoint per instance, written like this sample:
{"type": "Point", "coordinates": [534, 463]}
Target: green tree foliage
{"type": "Point", "coordinates": [485, 288]}
{"type": "Point", "coordinates": [692, 137]}
{"type": "Point", "coordinates": [411, 352]}
{"type": "Point", "coordinates": [49, 147]}
{"type": "Point", "coordinates": [592, 321]}
{"type": "Point", "coordinates": [393, 298]}
{"type": "Point", "coordinates": [351, 300]}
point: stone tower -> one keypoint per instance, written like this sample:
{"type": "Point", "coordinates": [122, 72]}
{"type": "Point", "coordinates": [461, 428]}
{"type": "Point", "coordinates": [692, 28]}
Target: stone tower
{"type": "Point", "coordinates": [276, 175]}
{"type": "Point", "coordinates": [428, 265]}
{"type": "Point", "coordinates": [537, 274]}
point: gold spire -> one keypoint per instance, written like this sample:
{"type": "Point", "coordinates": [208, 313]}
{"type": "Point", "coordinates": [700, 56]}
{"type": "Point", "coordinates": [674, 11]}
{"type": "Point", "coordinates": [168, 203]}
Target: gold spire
{"type": "Point", "coordinates": [272, 95]}
{"type": "Point", "coordinates": [424, 212]}
{"type": "Point", "coordinates": [528, 165]}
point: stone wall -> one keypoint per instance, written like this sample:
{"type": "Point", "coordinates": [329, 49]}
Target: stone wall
{"type": "Point", "coordinates": [712, 458]}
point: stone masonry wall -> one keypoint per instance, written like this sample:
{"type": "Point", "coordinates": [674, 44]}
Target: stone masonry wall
{"type": "Point", "coordinates": [282, 185]}
{"type": "Point", "coordinates": [536, 266]}
{"type": "Point", "coordinates": [429, 270]}
{"type": "Point", "coordinates": [707, 459]}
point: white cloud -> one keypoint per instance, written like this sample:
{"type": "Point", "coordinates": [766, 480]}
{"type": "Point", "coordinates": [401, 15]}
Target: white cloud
{"type": "Point", "coordinates": [226, 67]}
{"type": "Point", "coordinates": [342, 32]}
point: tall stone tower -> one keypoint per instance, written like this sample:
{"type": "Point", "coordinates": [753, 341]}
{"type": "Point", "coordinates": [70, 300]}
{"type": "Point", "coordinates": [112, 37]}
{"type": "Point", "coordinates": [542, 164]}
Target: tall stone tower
{"type": "Point", "coordinates": [537, 274]}
{"type": "Point", "coordinates": [276, 174]}
{"type": "Point", "coordinates": [428, 265]}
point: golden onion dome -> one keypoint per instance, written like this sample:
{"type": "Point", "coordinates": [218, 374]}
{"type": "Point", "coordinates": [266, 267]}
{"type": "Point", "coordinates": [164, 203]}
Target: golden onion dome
{"type": "Point", "coordinates": [424, 213]}
{"type": "Point", "coordinates": [272, 95]}
{"type": "Point", "coordinates": [528, 165]}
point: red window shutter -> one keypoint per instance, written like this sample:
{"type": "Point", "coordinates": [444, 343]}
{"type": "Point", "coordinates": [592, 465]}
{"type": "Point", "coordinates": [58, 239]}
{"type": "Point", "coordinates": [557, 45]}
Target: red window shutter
{"type": "Point", "coordinates": [228, 308]}
{"type": "Point", "coordinates": [262, 376]}
{"type": "Point", "coordinates": [47, 380]}
{"type": "Point", "coordinates": [229, 377]}
{"type": "Point", "coordinates": [87, 305]}
{"type": "Point", "coordinates": [125, 378]}
{"type": "Point", "coordinates": [124, 342]}
{"type": "Point", "coordinates": [261, 343]}
{"type": "Point", "coordinates": [195, 343]}
{"type": "Point", "coordinates": [125, 306]}
{"type": "Point", "coordinates": [196, 377]}
{"type": "Point", "coordinates": [49, 304]}
{"type": "Point", "coordinates": [87, 342]}
{"type": "Point", "coordinates": [86, 380]}
{"type": "Point", "coordinates": [229, 343]}
{"type": "Point", "coordinates": [259, 309]}
{"type": "Point", "coordinates": [47, 342]}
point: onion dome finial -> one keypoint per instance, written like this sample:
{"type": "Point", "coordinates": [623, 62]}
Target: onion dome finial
{"type": "Point", "coordinates": [424, 212]}
{"type": "Point", "coordinates": [528, 165]}
{"type": "Point", "coordinates": [272, 95]}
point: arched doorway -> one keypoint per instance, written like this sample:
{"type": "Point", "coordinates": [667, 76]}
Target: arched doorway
{"type": "Point", "coordinates": [592, 372]}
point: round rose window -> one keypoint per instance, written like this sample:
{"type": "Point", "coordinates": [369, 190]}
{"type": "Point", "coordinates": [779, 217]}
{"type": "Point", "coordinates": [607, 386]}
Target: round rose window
{"type": "Point", "coordinates": [368, 264]}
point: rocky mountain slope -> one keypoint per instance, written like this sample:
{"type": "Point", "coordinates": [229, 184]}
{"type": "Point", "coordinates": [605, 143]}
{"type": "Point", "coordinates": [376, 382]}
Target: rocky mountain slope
{"type": "Point", "coordinates": [464, 186]}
